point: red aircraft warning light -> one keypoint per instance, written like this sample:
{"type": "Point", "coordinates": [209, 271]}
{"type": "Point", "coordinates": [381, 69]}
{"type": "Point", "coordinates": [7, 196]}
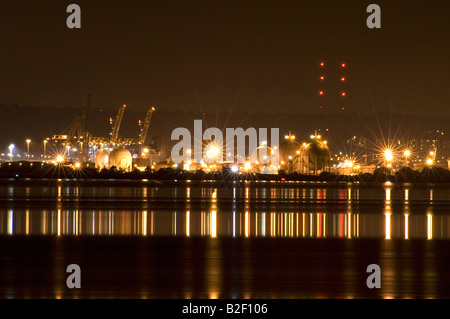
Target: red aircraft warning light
{"type": "Point", "coordinates": [322, 78]}
{"type": "Point", "coordinates": [343, 94]}
{"type": "Point", "coordinates": [343, 79]}
{"type": "Point", "coordinates": [322, 64]}
{"type": "Point", "coordinates": [343, 65]}
{"type": "Point", "coordinates": [320, 92]}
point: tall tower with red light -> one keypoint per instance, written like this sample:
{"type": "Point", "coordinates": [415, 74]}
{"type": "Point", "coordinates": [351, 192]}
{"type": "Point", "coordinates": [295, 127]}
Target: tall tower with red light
{"type": "Point", "coordinates": [322, 84]}
{"type": "Point", "coordinates": [341, 86]}
{"type": "Point", "coordinates": [343, 80]}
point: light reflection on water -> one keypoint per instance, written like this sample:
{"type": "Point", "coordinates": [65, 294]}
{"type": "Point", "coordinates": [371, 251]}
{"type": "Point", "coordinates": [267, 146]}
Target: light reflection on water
{"type": "Point", "coordinates": [231, 224]}
{"type": "Point", "coordinates": [234, 211]}
{"type": "Point", "coordinates": [214, 241]}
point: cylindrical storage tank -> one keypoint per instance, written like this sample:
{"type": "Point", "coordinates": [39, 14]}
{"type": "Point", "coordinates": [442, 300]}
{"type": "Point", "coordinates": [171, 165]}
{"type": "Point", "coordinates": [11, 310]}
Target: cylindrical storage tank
{"type": "Point", "coordinates": [102, 159]}
{"type": "Point", "coordinates": [121, 159]}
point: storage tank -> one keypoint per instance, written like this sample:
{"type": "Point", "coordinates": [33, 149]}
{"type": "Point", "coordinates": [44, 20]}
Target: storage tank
{"type": "Point", "coordinates": [315, 156]}
{"type": "Point", "coordinates": [267, 159]}
{"type": "Point", "coordinates": [288, 148]}
{"type": "Point", "coordinates": [102, 159]}
{"type": "Point", "coordinates": [121, 159]}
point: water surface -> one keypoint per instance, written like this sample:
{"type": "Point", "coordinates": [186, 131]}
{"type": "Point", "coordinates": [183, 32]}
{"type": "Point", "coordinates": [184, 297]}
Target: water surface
{"type": "Point", "coordinates": [146, 239]}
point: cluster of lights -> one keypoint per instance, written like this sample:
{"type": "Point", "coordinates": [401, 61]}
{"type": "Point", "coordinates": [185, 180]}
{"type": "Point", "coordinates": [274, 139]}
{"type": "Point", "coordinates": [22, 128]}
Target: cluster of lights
{"type": "Point", "coordinates": [342, 79]}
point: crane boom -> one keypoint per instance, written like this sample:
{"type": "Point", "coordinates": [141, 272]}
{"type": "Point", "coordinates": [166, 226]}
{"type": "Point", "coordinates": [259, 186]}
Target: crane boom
{"type": "Point", "coordinates": [144, 128]}
{"type": "Point", "coordinates": [117, 121]}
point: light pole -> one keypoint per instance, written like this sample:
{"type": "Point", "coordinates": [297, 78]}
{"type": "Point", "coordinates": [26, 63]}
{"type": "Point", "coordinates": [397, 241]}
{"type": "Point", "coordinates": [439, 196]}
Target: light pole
{"type": "Point", "coordinates": [11, 147]}
{"type": "Point", "coordinates": [28, 148]}
{"type": "Point", "coordinates": [45, 144]}
{"type": "Point", "coordinates": [407, 154]}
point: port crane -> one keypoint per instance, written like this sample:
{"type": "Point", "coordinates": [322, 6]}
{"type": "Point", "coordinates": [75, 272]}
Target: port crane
{"type": "Point", "coordinates": [144, 128]}
{"type": "Point", "coordinates": [114, 135]}
{"type": "Point", "coordinates": [76, 135]}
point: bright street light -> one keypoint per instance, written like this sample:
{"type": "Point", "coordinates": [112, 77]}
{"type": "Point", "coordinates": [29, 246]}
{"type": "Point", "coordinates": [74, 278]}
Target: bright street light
{"type": "Point", "coordinates": [388, 155]}
{"type": "Point", "coordinates": [45, 144]}
{"type": "Point", "coordinates": [11, 147]}
{"type": "Point", "coordinates": [28, 147]}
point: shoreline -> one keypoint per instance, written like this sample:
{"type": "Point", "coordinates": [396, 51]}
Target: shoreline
{"type": "Point", "coordinates": [43, 171]}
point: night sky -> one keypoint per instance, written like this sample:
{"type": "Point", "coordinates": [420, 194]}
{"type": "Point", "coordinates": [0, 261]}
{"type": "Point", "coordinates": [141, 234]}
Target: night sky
{"type": "Point", "coordinates": [224, 56]}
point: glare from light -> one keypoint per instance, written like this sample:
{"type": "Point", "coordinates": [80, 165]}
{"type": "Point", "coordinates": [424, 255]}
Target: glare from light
{"type": "Point", "coordinates": [212, 151]}
{"type": "Point", "coordinates": [407, 153]}
{"type": "Point", "coordinates": [388, 155]}
{"type": "Point", "coordinates": [234, 168]}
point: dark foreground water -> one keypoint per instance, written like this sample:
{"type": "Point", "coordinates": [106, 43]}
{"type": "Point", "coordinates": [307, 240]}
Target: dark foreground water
{"type": "Point", "coordinates": [144, 239]}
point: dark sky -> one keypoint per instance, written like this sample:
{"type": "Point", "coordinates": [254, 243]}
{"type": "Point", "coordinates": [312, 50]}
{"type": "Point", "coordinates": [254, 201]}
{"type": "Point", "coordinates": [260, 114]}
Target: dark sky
{"type": "Point", "coordinates": [222, 56]}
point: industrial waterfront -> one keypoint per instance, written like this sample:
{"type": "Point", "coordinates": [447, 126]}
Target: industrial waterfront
{"type": "Point", "coordinates": [217, 152]}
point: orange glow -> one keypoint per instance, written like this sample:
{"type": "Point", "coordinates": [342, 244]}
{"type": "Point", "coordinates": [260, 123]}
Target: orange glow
{"type": "Point", "coordinates": [213, 224]}
{"type": "Point", "coordinates": [388, 225]}
{"type": "Point", "coordinates": [429, 226]}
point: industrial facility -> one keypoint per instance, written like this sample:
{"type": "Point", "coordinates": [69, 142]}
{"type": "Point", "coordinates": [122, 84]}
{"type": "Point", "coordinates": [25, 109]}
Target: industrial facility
{"type": "Point", "coordinates": [76, 144]}
{"type": "Point", "coordinates": [76, 147]}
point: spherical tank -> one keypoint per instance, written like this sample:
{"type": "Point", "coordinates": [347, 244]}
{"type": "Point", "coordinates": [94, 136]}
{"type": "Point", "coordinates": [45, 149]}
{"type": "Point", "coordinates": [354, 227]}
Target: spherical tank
{"type": "Point", "coordinates": [102, 159]}
{"type": "Point", "coordinates": [121, 159]}
{"type": "Point", "coordinates": [315, 155]}
{"type": "Point", "coordinates": [288, 147]}
{"type": "Point", "coordinates": [264, 155]}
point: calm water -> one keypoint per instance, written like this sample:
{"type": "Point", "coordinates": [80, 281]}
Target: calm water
{"type": "Point", "coordinates": [143, 239]}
